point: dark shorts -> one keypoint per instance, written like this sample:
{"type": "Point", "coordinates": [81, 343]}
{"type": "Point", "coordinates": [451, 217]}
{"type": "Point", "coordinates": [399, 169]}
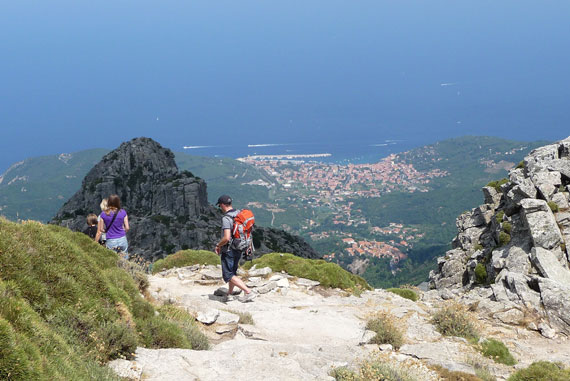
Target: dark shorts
{"type": "Point", "coordinates": [230, 264]}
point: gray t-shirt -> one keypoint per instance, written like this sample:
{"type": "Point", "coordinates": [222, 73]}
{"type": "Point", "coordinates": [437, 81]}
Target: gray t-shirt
{"type": "Point", "coordinates": [228, 223]}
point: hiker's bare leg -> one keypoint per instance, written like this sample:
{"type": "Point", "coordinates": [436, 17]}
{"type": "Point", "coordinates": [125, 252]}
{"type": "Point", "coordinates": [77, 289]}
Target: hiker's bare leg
{"type": "Point", "coordinates": [237, 282]}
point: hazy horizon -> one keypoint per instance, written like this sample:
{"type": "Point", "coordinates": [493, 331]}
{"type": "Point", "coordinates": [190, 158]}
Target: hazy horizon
{"type": "Point", "coordinates": [88, 75]}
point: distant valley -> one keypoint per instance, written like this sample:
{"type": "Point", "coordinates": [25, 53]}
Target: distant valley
{"type": "Point", "coordinates": [386, 220]}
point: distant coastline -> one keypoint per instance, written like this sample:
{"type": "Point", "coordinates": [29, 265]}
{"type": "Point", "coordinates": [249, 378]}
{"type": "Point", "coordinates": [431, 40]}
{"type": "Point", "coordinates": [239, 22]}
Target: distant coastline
{"type": "Point", "coordinates": [282, 157]}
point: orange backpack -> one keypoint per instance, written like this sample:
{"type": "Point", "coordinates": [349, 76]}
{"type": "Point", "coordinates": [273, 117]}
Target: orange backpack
{"type": "Point", "coordinates": [242, 239]}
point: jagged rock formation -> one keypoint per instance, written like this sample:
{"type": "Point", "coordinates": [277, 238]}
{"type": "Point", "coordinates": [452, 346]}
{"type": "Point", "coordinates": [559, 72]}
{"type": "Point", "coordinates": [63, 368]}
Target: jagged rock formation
{"type": "Point", "coordinates": [515, 244]}
{"type": "Point", "coordinates": [168, 210]}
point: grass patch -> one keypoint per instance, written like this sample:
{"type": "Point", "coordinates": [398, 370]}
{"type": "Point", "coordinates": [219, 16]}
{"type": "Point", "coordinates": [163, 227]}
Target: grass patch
{"type": "Point", "coordinates": [244, 317]}
{"type": "Point", "coordinates": [328, 274]}
{"type": "Point", "coordinates": [187, 323]}
{"type": "Point", "coordinates": [404, 293]}
{"type": "Point", "coordinates": [542, 371]}
{"type": "Point", "coordinates": [499, 216]}
{"type": "Point", "coordinates": [497, 351]}
{"type": "Point", "coordinates": [448, 375]}
{"type": "Point", "coordinates": [66, 307]}
{"type": "Point", "coordinates": [553, 206]}
{"type": "Point", "coordinates": [386, 331]}
{"type": "Point", "coordinates": [376, 368]}
{"type": "Point", "coordinates": [481, 369]}
{"type": "Point", "coordinates": [453, 320]}
{"type": "Point", "coordinates": [186, 258]}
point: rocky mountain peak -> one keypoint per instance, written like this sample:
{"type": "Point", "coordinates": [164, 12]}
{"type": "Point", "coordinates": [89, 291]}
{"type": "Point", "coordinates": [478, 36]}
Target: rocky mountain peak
{"type": "Point", "coordinates": [514, 249]}
{"type": "Point", "coordinates": [168, 210]}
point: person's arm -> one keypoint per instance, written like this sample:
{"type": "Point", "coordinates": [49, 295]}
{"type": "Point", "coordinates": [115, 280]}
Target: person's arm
{"type": "Point", "coordinates": [126, 223]}
{"type": "Point", "coordinates": [225, 239]}
{"type": "Point", "coordinates": [100, 229]}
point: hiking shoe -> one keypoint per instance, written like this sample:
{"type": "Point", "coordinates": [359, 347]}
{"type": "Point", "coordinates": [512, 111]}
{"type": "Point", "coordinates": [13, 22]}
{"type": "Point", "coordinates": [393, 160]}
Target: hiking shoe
{"type": "Point", "coordinates": [248, 297]}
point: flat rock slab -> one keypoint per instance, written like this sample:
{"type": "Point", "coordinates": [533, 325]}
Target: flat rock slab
{"type": "Point", "coordinates": [307, 282]}
{"type": "Point", "coordinates": [208, 317]}
{"type": "Point", "coordinates": [450, 355]}
{"type": "Point", "coordinates": [211, 274]}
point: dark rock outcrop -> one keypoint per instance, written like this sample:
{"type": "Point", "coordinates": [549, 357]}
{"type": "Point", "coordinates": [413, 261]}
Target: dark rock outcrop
{"type": "Point", "coordinates": [517, 243]}
{"type": "Point", "coordinates": [168, 210]}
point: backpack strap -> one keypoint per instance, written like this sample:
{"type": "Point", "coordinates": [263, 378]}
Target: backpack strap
{"type": "Point", "coordinates": [113, 220]}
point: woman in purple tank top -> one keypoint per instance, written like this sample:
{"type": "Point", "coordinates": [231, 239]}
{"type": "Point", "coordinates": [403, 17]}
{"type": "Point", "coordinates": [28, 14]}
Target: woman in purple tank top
{"type": "Point", "coordinates": [115, 223]}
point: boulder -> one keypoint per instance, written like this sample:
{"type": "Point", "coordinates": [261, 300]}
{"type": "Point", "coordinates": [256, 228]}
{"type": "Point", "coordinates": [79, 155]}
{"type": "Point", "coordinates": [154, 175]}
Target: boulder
{"type": "Point", "coordinates": [227, 318]}
{"type": "Point", "coordinates": [541, 224]}
{"type": "Point", "coordinates": [547, 183]}
{"type": "Point", "coordinates": [266, 288]}
{"type": "Point", "coordinates": [208, 317]}
{"type": "Point", "coordinates": [561, 199]}
{"type": "Point", "coordinates": [492, 196]}
{"type": "Point", "coordinates": [548, 265]}
{"type": "Point", "coordinates": [556, 301]}
{"type": "Point", "coordinates": [260, 272]}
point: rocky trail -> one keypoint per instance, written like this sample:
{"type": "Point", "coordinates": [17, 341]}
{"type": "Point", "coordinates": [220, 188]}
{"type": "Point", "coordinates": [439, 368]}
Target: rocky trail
{"type": "Point", "coordinates": [302, 331]}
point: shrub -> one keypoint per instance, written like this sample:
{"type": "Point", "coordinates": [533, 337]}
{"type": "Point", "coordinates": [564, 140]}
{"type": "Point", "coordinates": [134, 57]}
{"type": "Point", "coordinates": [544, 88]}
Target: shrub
{"type": "Point", "coordinates": [507, 227]}
{"type": "Point", "coordinates": [520, 165]}
{"type": "Point", "coordinates": [480, 273]}
{"type": "Point", "coordinates": [478, 247]}
{"type": "Point", "coordinates": [386, 331]}
{"type": "Point", "coordinates": [504, 238]}
{"type": "Point", "coordinates": [496, 350]}
{"type": "Point", "coordinates": [136, 272]}
{"type": "Point", "coordinates": [405, 293]}
{"type": "Point", "coordinates": [497, 184]}
{"type": "Point", "coordinates": [186, 258]}
{"type": "Point", "coordinates": [542, 371]}
{"type": "Point", "coordinates": [328, 274]}
{"type": "Point", "coordinates": [553, 206]}
{"type": "Point", "coordinates": [499, 216]}
{"type": "Point", "coordinates": [453, 320]}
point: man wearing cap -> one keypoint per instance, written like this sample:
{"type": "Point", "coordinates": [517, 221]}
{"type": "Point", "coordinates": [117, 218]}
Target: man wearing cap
{"type": "Point", "coordinates": [230, 258]}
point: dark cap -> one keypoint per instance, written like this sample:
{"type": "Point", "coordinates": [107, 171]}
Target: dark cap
{"type": "Point", "coordinates": [224, 199]}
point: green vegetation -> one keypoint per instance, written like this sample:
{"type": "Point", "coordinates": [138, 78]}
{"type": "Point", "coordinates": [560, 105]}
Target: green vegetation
{"type": "Point", "coordinates": [504, 238]}
{"type": "Point", "coordinates": [453, 319]}
{"type": "Point", "coordinates": [553, 206]}
{"type": "Point", "coordinates": [186, 258]}
{"type": "Point", "coordinates": [481, 368]}
{"type": "Point", "coordinates": [480, 273]}
{"type": "Point", "coordinates": [542, 371]}
{"type": "Point", "coordinates": [405, 293]}
{"type": "Point", "coordinates": [376, 368]}
{"type": "Point", "coordinates": [196, 339]}
{"type": "Point", "coordinates": [496, 350]}
{"type": "Point", "coordinates": [499, 216]}
{"type": "Point", "coordinates": [497, 184]}
{"type": "Point", "coordinates": [66, 307]}
{"type": "Point", "coordinates": [521, 165]}
{"type": "Point", "coordinates": [507, 227]}
{"type": "Point", "coordinates": [329, 274]}
{"type": "Point", "coordinates": [386, 331]}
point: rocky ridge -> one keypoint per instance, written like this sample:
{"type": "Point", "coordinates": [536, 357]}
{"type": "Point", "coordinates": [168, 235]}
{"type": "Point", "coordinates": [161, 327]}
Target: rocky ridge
{"type": "Point", "coordinates": [302, 331]}
{"type": "Point", "coordinates": [511, 254]}
{"type": "Point", "coordinates": [168, 209]}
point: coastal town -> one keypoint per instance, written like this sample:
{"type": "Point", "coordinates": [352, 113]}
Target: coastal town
{"type": "Point", "coordinates": [324, 191]}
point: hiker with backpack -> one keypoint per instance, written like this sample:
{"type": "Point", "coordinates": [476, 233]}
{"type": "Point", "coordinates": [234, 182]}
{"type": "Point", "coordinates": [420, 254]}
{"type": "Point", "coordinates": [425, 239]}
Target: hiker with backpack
{"type": "Point", "coordinates": [236, 240]}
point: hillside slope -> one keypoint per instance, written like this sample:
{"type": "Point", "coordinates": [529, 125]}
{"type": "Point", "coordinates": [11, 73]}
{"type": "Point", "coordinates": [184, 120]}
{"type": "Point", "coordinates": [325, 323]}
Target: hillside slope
{"type": "Point", "coordinates": [66, 307]}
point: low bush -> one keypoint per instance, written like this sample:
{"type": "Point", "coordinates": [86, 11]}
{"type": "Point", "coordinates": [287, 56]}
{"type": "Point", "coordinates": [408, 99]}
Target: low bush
{"type": "Point", "coordinates": [497, 351]}
{"type": "Point", "coordinates": [404, 293]}
{"type": "Point", "coordinates": [186, 258]}
{"type": "Point", "coordinates": [453, 320]}
{"type": "Point", "coordinates": [499, 216]}
{"type": "Point", "coordinates": [386, 331]}
{"type": "Point", "coordinates": [328, 274]}
{"type": "Point", "coordinates": [504, 239]}
{"type": "Point", "coordinates": [480, 273]}
{"type": "Point", "coordinates": [542, 371]}
{"type": "Point", "coordinates": [520, 165]}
